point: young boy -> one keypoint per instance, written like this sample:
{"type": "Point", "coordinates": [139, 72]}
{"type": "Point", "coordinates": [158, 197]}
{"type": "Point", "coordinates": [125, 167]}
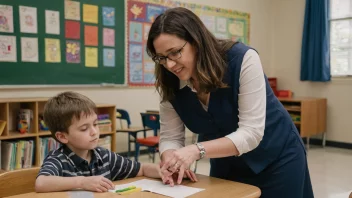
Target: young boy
{"type": "Point", "coordinates": [79, 163]}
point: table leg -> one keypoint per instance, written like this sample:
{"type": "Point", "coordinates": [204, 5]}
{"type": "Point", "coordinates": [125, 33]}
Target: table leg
{"type": "Point", "coordinates": [308, 142]}
{"type": "Point", "coordinates": [324, 139]}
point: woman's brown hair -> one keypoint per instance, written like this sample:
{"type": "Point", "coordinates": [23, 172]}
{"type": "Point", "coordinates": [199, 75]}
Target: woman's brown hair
{"type": "Point", "coordinates": [211, 52]}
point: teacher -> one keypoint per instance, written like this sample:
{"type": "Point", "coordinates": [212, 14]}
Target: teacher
{"type": "Point", "coordinates": [217, 89]}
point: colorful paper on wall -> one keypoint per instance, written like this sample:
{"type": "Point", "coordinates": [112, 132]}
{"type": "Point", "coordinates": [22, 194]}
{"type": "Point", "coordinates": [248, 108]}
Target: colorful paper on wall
{"type": "Point", "coordinates": [91, 35]}
{"type": "Point", "coordinates": [6, 18]}
{"type": "Point", "coordinates": [153, 12]}
{"type": "Point", "coordinates": [236, 28]}
{"type": "Point", "coordinates": [72, 29]}
{"type": "Point", "coordinates": [149, 68]}
{"type": "Point", "coordinates": [8, 51]}
{"type": "Point", "coordinates": [52, 50]}
{"type": "Point", "coordinates": [91, 54]}
{"type": "Point", "coordinates": [209, 22]}
{"type": "Point", "coordinates": [108, 16]}
{"type": "Point", "coordinates": [90, 13]}
{"type": "Point", "coordinates": [136, 11]}
{"type": "Point", "coordinates": [109, 57]}
{"type": "Point", "coordinates": [72, 10]}
{"type": "Point", "coordinates": [135, 31]}
{"type": "Point", "coordinates": [29, 49]}
{"type": "Point", "coordinates": [73, 52]}
{"type": "Point", "coordinates": [28, 19]}
{"type": "Point", "coordinates": [136, 72]}
{"type": "Point", "coordinates": [109, 37]}
{"type": "Point", "coordinates": [221, 24]}
{"type": "Point", "coordinates": [136, 53]}
{"type": "Point", "coordinates": [52, 22]}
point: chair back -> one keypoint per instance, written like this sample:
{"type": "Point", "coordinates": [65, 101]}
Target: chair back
{"type": "Point", "coordinates": [123, 115]}
{"type": "Point", "coordinates": [18, 181]}
{"type": "Point", "coordinates": [152, 121]}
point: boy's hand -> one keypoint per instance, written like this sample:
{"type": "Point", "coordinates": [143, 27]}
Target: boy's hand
{"type": "Point", "coordinates": [97, 183]}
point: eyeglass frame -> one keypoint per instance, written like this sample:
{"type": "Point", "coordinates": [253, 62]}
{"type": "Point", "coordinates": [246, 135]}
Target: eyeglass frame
{"type": "Point", "coordinates": [167, 56]}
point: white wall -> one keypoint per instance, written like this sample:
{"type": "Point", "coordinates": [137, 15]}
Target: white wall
{"type": "Point", "coordinates": [287, 23]}
{"type": "Point", "coordinates": [137, 100]}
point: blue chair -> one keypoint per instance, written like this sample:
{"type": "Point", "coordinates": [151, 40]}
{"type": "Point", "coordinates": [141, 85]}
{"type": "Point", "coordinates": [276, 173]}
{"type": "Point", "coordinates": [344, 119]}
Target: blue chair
{"type": "Point", "coordinates": [122, 114]}
{"type": "Point", "coordinates": [149, 120]}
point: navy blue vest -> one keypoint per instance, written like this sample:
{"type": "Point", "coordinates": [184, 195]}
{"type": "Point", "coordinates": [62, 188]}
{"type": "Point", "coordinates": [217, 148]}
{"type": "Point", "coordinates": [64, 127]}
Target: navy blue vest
{"type": "Point", "coordinates": [222, 119]}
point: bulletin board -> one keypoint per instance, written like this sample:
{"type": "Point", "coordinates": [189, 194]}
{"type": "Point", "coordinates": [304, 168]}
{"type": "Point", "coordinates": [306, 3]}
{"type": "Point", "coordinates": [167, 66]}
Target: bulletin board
{"type": "Point", "coordinates": [140, 14]}
{"type": "Point", "coordinates": [60, 42]}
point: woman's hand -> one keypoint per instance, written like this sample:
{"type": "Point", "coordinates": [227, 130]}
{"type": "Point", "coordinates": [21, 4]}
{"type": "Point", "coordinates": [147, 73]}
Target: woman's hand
{"type": "Point", "coordinates": [178, 162]}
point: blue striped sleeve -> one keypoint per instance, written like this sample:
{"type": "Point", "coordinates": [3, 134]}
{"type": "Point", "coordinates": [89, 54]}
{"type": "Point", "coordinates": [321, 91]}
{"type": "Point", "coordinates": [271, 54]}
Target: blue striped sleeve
{"type": "Point", "coordinates": [52, 166]}
{"type": "Point", "coordinates": [121, 167]}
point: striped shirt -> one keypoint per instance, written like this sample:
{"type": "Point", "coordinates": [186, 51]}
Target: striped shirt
{"type": "Point", "coordinates": [65, 163]}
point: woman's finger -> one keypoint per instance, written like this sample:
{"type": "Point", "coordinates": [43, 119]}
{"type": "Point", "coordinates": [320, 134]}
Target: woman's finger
{"type": "Point", "coordinates": [180, 174]}
{"type": "Point", "coordinates": [168, 167]}
{"type": "Point", "coordinates": [188, 175]}
{"type": "Point", "coordinates": [167, 164]}
{"type": "Point", "coordinates": [193, 175]}
{"type": "Point", "coordinates": [175, 168]}
{"type": "Point", "coordinates": [164, 179]}
{"type": "Point", "coordinates": [170, 181]}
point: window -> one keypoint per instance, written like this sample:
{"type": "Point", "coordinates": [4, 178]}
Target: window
{"type": "Point", "coordinates": [341, 37]}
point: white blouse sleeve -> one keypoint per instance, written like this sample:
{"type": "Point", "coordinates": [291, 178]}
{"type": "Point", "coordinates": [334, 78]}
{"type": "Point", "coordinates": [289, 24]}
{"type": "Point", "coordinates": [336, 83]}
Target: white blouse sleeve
{"type": "Point", "coordinates": [172, 129]}
{"type": "Point", "coordinates": [251, 104]}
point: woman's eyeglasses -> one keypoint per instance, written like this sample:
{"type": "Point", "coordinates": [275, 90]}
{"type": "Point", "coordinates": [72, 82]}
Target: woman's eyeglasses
{"type": "Point", "coordinates": [171, 56]}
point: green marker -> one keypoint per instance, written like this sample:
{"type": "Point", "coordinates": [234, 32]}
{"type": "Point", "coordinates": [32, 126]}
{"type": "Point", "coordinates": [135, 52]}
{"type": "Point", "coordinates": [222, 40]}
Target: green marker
{"type": "Point", "coordinates": [125, 189]}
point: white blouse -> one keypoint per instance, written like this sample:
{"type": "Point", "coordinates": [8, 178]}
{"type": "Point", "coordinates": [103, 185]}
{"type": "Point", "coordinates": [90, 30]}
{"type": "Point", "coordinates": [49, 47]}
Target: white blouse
{"type": "Point", "coordinates": [251, 107]}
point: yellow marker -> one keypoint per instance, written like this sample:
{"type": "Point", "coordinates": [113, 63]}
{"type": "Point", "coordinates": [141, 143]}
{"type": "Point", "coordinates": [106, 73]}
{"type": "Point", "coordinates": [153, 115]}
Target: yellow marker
{"type": "Point", "coordinates": [130, 191]}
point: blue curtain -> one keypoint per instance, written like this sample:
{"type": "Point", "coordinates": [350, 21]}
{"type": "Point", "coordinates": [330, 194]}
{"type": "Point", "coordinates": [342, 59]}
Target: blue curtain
{"type": "Point", "coordinates": [315, 57]}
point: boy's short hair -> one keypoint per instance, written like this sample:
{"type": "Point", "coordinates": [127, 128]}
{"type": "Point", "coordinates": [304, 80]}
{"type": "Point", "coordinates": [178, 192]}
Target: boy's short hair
{"type": "Point", "coordinates": [61, 109]}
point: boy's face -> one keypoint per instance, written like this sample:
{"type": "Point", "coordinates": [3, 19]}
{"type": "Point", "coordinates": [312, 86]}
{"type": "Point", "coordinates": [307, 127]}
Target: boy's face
{"type": "Point", "coordinates": [83, 134]}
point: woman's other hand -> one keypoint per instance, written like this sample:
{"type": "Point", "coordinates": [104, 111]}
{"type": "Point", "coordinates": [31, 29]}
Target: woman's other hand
{"type": "Point", "coordinates": [179, 161]}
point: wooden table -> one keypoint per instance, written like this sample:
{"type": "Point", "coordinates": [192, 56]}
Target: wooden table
{"type": "Point", "coordinates": [214, 187]}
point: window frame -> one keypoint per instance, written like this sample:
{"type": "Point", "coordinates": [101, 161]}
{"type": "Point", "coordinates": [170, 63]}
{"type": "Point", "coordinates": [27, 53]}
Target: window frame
{"type": "Point", "coordinates": [331, 20]}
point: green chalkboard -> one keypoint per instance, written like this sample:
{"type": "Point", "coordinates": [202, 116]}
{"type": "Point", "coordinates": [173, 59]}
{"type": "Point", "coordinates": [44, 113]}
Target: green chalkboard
{"type": "Point", "coordinates": [63, 72]}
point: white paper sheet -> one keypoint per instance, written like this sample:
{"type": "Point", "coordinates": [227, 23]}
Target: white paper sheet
{"type": "Point", "coordinates": [158, 187]}
{"type": "Point", "coordinates": [6, 18]}
{"type": "Point", "coordinates": [28, 19]}
{"type": "Point", "coordinates": [52, 22]}
{"type": "Point", "coordinates": [29, 49]}
{"type": "Point", "coordinates": [8, 52]}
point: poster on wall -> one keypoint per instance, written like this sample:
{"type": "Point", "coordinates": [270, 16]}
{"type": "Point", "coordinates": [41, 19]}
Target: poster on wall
{"type": "Point", "coordinates": [223, 23]}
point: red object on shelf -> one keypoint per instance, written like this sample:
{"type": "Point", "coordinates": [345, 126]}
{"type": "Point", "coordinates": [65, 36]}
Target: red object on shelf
{"type": "Point", "coordinates": [273, 85]}
{"type": "Point", "coordinates": [284, 94]}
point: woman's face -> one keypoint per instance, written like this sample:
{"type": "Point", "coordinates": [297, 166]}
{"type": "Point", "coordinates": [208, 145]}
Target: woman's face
{"type": "Point", "coordinates": [181, 55]}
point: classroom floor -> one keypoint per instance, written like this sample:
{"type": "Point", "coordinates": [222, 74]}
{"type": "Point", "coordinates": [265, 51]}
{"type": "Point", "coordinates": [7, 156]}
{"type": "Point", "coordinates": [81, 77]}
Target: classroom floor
{"type": "Point", "coordinates": [330, 171]}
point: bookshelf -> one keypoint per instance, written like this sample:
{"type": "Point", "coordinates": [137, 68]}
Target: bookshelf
{"type": "Point", "coordinates": [308, 114]}
{"type": "Point", "coordinates": [8, 112]}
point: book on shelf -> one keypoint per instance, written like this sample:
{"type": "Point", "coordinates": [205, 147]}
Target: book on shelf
{"type": "Point", "coordinates": [47, 144]}
{"type": "Point", "coordinates": [104, 123]}
{"type": "Point", "coordinates": [17, 154]}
